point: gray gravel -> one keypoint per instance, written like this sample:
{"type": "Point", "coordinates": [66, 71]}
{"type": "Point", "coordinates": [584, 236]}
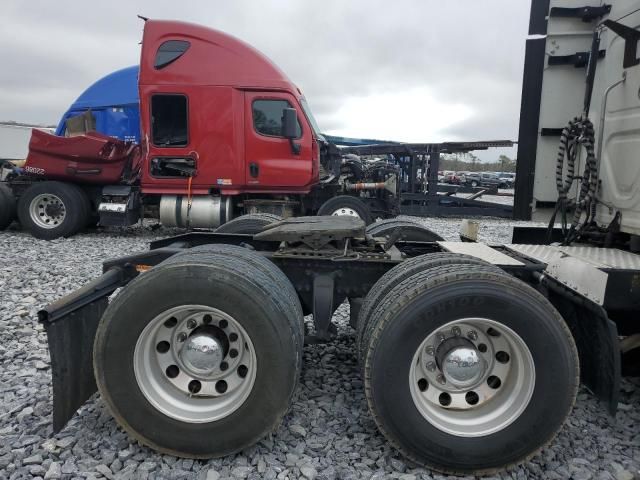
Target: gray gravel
{"type": "Point", "coordinates": [327, 434]}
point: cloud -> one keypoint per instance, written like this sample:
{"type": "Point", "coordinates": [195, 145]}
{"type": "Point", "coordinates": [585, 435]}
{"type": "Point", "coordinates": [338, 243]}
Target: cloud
{"type": "Point", "coordinates": [407, 115]}
{"type": "Point", "coordinates": [407, 69]}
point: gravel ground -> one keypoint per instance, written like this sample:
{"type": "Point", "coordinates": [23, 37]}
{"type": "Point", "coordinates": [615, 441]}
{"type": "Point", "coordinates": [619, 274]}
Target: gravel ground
{"type": "Point", "coordinates": [328, 433]}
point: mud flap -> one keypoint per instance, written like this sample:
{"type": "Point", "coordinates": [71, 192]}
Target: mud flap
{"type": "Point", "coordinates": [600, 357]}
{"type": "Point", "coordinates": [596, 337]}
{"type": "Point", "coordinates": [71, 324]}
{"type": "Point", "coordinates": [71, 350]}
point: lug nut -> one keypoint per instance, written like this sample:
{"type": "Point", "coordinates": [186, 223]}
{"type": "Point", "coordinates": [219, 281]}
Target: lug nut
{"type": "Point", "coordinates": [455, 331]}
{"type": "Point", "coordinates": [441, 338]}
{"type": "Point", "coordinates": [429, 350]}
{"type": "Point", "coordinates": [472, 334]}
{"type": "Point", "coordinates": [431, 366]}
{"type": "Point", "coordinates": [182, 337]}
{"type": "Point", "coordinates": [191, 324]}
{"type": "Point", "coordinates": [441, 380]}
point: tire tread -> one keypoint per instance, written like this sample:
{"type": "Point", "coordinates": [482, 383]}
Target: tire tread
{"type": "Point", "coordinates": [236, 265]}
{"type": "Point", "coordinates": [412, 287]}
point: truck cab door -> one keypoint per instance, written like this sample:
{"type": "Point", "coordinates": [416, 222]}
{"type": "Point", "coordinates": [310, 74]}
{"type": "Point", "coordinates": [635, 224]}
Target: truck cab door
{"type": "Point", "coordinates": [171, 157]}
{"type": "Point", "coordinates": [272, 161]}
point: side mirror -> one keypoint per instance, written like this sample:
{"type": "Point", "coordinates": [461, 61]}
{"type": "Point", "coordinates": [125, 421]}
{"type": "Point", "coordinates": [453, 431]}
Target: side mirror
{"type": "Point", "coordinates": [289, 123]}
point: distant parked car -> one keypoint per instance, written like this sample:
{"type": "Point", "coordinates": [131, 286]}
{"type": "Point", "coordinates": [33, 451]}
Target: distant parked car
{"type": "Point", "coordinates": [508, 179]}
{"type": "Point", "coordinates": [472, 179]}
{"type": "Point", "coordinates": [488, 179]}
{"type": "Point", "coordinates": [451, 177]}
{"type": "Point", "coordinates": [461, 176]}
{"type": "Point", "coordinates": [482, 179]}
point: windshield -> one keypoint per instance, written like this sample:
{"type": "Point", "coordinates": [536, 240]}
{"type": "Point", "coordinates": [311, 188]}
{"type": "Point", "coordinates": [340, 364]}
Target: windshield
{"type": "Point", "coordinates": [312, 120]}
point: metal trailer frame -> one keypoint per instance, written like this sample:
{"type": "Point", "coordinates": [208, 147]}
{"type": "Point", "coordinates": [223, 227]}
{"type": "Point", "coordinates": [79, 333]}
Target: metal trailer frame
{"type": "Point", "coordinates": [330, 259]}
{"type": "Point", "coordinates": [420, 195]}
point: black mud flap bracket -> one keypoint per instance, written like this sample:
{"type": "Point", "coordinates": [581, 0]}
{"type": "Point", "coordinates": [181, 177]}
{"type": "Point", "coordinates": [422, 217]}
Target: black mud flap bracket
{"type": "Point", "coordinates": [71, 325]}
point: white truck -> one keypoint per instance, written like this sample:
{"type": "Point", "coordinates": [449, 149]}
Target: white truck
{"type": "Point", "coordinates": [14, 139]}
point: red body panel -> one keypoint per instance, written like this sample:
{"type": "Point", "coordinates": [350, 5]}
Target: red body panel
{"type": "Point", "coordinates": [215, 139]}
{"type": "Point", "coordinates": [277, 165]}
{"type": "Point", "coordinates": [90, 158]}
{"type": "Point", "coordinates": [217, 77]}
{"type": "Point", "coordinates": [219, 74]}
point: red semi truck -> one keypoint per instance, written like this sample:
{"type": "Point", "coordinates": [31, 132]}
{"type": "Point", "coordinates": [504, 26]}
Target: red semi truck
{"type": "Point", "coordinates": [223, 132]}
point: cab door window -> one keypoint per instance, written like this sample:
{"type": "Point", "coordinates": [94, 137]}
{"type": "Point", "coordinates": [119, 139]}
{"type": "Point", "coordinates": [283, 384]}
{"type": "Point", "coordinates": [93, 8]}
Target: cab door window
{"type": "Point", "coordinates": [169, 125]}
{"type": "Point", "coordinates": [267, 117]}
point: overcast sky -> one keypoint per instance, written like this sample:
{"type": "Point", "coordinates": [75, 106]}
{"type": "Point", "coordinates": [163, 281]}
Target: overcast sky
{"type": "Point", "coordinates": [406, 70]}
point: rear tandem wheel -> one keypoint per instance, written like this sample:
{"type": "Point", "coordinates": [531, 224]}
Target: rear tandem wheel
{"type": "Point", "coordinates": [200, 356]}
{"type": "Point", "coordinates": [468, 370]}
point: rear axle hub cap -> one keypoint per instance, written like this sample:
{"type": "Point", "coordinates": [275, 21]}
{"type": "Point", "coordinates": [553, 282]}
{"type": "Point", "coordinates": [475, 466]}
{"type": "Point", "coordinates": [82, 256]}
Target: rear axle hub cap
{"type": "Point", "coordinates": [201, 353]}
{"type": "Point", "coordinates": [345, 212]}
{"type": "Point", "coordinates": [463, 366]}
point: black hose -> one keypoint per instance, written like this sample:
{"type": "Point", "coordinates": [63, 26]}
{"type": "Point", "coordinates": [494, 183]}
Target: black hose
{"type": "Point", "coordinates": [579, 132]}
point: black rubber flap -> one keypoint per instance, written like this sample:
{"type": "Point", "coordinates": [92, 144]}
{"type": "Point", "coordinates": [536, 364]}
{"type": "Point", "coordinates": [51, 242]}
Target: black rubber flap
{"type": "Point", "coordinates": [71, 349]}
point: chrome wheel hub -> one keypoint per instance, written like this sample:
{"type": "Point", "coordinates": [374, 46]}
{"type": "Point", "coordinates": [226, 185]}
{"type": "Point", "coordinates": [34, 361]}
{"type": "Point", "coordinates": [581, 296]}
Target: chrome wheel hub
{"type": "Point", "coordinates": [463, 366]}
{"type": "Point", "coordinates": [472, 377]}
{"type": "Point", "coordinates": [47, 211]}
{"type": "Point", "coordinates": [345, 211]}
{"type": "Point", "coordinates": [201, 354]}
{"type": "Point", "coordinates": [195, 363]}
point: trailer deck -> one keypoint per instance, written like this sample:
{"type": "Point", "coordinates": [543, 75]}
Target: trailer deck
{"type": "Point", "coordinates": [420, 193]}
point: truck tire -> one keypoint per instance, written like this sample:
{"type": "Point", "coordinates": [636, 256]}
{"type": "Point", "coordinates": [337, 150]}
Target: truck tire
{"type": "Point", "coordinates": [346, 205]}
{"type": "Point", "coordinates": [469, 371]}
{"type": "Point", "coordinates": [51, 210]}
{"type": "Point", "coordinates": [411, 231]}
{"type": "Point", "coordinates": [474, 183]}
{"type": "Point", "coordinates": [288, 297]}
{"type": "Point", "coordinates": [7, 206]}
{"type": "Point", "coordinates": [232, 381]}
{"type": "Point", "coordinates": [398, 274]}
{"type": "Point", "coordinates": [250, 223]}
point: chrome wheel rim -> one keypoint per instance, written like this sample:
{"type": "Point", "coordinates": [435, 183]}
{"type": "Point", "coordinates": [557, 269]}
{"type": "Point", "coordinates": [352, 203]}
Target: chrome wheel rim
{"type": "Point", "coordinates": [345, 212]}
{"type": "Point", "coordinates": [195, 363]}
{"type": "Point", "coordinates": [47, 211]}
{"type": "Point", "coordinates": [472, 377]}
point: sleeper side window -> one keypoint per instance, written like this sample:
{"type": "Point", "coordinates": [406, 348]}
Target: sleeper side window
{"type": "Point", "coordinates": [267, 117]}
{"type": "Point", "coordinates": [169, 120]}
{"type": "Point", "coordinates": [169, 52]}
